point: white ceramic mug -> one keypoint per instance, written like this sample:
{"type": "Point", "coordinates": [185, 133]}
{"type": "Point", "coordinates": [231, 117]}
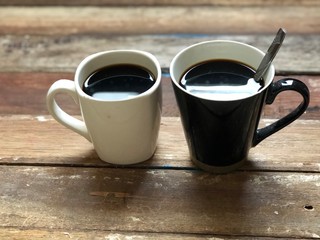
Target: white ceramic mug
{"type": "Point", "coordinates": [122, 131]}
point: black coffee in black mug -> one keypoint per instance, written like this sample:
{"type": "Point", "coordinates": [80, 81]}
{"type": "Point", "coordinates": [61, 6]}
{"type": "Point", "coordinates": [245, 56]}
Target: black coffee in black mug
{"type": "Point", "coordinates": [118, 82]}
{"type": "Point", "coordinates": [220, 104]}
{"type": "Point", "coordinates": [221, 80]}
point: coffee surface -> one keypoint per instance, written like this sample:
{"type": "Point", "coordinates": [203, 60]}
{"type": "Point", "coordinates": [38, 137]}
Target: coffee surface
{"type": "Point", "coordinates": [220, 80]}
{"type": "Point", "coordinates": [118, 82]}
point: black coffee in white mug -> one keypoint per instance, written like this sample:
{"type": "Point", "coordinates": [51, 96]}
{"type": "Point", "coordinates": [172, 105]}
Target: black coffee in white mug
{"type": "Point", "coordinates": [118, 82]}
{"type": "Point", "coordinates": [123, 130]}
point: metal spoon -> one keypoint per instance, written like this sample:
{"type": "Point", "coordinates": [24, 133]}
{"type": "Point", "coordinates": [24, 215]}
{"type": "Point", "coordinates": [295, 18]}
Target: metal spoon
{"type": "Point", "coordinates": [268, 57]}
{"type": "Point", "coordinates": [252, 86]}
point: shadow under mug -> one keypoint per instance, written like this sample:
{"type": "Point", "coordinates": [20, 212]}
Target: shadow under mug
{"type": "Point", "coordinates": [122, 131]}
{"type": "Point", "coordinates": [220, 133]}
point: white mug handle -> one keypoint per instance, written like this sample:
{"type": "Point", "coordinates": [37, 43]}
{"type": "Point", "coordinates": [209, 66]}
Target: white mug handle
{"type": "Point", "coordinates": [68, 87]}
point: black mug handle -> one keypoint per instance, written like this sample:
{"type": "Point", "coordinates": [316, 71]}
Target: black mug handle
{"type": "Point", "coordinates": [285, 84]}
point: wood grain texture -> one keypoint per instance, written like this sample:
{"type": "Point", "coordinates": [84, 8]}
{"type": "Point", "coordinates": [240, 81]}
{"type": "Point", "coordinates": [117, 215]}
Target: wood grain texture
{"type": "Point", "coordinates": [54, 186]}
{"type": "Point", "coordinates": [158, 3]}
{"type": "Point", "coordinates": [170, 201]}
{"type": "Point", "coordinates": [40, 140]}
{"type": "Point", "coordinates": [25, 93]}
{"type": "Point", "coordinates": [158, 20]}
{"type": "Point", "coordinates": [299, 54]}
{"type": "Point", "coordinates": [43, 234]}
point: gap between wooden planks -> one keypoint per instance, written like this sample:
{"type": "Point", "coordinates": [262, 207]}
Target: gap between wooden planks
{"type": "Point", "coordinates": [40, 140]}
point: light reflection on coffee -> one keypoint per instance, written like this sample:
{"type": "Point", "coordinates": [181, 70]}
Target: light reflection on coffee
{"type": "Point", "coordinates": [220, 80]}
{"type": "Point", "coordinates": [118, 82]}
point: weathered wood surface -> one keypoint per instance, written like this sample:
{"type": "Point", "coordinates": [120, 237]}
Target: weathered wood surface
{"type": "Point", "coordinates": [25, 93]}
{"type": "Point", "coordinates": [167, 201]}
{"type": "Point", "coordinates": [155, 20]}
{"type": "Point", "coordinates": [42, 234]}
{"type": "Point", "coordinates": [40, 140]}
{"type": "Point", "coordinates": [159, 2]}
{"type": "Point", "coordinates": [299, 54]}
{"type": "Point", "coordinates": [53, 185]}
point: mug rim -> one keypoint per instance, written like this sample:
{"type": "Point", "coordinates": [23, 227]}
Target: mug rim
{"type": "Point", "coordinates": [94, 56]}
{"type": "Point", "coordinates": [270, 70]}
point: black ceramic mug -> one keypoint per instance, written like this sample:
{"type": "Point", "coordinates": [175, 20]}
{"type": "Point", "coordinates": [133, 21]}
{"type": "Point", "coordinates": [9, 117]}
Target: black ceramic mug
{"type": "Point", "coordinates": [220, 132]}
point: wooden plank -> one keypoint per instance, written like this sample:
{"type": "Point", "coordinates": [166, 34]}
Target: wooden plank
{"type": "Point", "coordinates": [157, 2]}
{"type": "Point", "coordinates": [158, 20]}
{"type": "Point", "coordinates": [300, 54]}
{"type": "Point", "coordinates": [160, 201]}
{"type": "Point", "coordinates": [40, 140]}
{"type": "Point", "coordinates": [41, 234]}
{"type": "Point", "coordinates": [25, 93]}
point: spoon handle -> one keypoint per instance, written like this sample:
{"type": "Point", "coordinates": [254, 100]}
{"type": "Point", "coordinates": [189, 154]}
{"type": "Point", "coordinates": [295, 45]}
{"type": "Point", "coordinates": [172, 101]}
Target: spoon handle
{"type": "Point", "coordinates": [271, 53]}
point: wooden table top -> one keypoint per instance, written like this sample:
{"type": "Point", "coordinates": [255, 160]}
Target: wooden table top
{"type": "Point", "coordinates": [53, 185]}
